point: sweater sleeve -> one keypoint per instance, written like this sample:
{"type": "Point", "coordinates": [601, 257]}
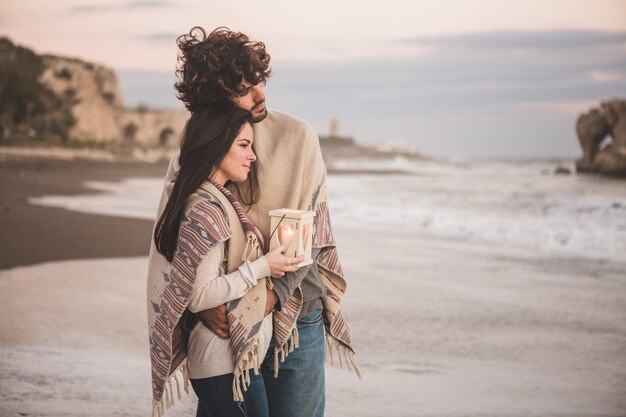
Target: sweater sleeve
{"type": "Point", "coordinates": [212, 288]}
{"type": "Point", "coordinates": [284, 287]}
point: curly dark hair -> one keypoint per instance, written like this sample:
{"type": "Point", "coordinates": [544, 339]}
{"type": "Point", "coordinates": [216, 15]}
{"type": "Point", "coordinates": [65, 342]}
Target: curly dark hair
{"type": "Point", "coordinates": [212, 68]}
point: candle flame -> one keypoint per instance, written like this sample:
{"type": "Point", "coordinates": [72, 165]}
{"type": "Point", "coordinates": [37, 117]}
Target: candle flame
{"type": "Point", "coordinates": [285, 235]}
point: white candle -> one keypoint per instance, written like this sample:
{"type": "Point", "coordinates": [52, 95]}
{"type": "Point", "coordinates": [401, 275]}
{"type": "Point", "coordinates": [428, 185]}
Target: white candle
{"type": "Point", "coordinates": [285, 235]}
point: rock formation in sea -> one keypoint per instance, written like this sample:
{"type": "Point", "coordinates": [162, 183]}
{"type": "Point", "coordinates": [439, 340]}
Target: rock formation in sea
{"type": "Point", "coordinates": [602, 136]}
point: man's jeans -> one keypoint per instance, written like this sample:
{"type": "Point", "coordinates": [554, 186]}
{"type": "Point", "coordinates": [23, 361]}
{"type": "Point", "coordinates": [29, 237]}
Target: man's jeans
{"type": "Point", "coordinates": [215, 397]}
{"type": "Point", "coordinates": [299, 389]}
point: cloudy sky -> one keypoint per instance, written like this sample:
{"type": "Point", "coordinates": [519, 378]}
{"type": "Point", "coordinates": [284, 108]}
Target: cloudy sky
{"type": "Point", "coordinates": [471, 78]}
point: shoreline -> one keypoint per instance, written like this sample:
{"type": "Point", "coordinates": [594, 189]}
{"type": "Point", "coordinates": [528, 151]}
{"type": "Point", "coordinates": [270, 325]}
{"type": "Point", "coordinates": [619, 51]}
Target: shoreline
{"type": "Point", "coordinates": [73, 232]}
{"type": "Point", "coordinates": [89, 154]}
{"type": "Point", "coordinates": [34, 234]}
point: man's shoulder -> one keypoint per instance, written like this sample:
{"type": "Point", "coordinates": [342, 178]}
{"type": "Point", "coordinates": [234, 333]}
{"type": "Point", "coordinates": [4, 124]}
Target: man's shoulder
{"type": "Point", "coordinates": [282, 122]}
{"type": "Point", "coordinates": [280, 118]}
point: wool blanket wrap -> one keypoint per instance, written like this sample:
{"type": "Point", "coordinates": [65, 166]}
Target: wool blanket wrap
{"type": "Point", "coordinates": [212, 215]}
{"type": "Point", "coordinates": [292, 175]}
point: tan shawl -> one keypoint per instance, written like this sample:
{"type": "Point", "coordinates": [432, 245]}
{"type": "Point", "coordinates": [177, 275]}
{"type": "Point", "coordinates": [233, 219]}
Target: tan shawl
{"type": "Point", "coordinates": [293, 175]}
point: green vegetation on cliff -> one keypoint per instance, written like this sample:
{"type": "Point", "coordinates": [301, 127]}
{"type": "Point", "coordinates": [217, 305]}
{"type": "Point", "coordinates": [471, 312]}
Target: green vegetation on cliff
{"type": "Point", "coordinates": [29, 110]}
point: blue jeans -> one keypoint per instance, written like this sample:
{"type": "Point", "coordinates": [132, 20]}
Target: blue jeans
{"type": "Point", "coordinates": [299, 390]}
{"type": "Point", "coordinates": [215, 397]}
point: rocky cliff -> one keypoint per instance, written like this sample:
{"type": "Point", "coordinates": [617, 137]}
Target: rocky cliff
{"type": "Point", "coordinates": [602, 137]}
{"type": "Point", "coordinates": [99, 106]}
{"type": "Point", "coordinates": [46, 97]}
{"type": "Point", "coordinates": [94, 90]}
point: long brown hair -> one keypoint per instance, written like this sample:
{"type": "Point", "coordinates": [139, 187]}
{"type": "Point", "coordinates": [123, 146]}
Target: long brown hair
{"type": "Point", "coordinates": [207, 138]}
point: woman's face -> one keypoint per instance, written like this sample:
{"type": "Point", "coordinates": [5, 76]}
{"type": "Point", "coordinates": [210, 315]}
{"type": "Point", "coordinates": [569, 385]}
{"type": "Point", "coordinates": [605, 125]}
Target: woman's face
{"type": "Point", "coordinates": [238, 161]}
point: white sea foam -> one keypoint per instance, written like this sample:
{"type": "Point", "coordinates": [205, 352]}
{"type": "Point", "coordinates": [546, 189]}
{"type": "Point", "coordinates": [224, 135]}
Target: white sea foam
{"type": "Point", "coordinates": [135, 198]}
{"type": "Point", "coordinates": [554, 214]}
{"type": "Point", "coordinates": [512, 203]}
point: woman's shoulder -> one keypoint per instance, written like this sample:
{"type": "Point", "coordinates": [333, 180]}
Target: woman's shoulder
{"type": "Point", "coordinates": [206, 217]}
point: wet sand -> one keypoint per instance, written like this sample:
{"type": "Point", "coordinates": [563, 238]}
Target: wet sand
{"type": "Point", "coordinates": [33, 234]}
{"type": "Point", "coordinates": [441, 327]}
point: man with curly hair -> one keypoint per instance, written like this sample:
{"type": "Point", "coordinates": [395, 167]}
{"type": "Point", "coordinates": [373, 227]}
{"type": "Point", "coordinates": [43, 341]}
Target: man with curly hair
{"type": "Point", "coordinates": [225, 68]}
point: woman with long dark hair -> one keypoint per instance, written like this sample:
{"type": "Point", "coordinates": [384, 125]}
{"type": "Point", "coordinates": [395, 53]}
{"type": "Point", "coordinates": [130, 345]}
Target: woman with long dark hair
{"type": "Point", "coordinates": [207, 252]}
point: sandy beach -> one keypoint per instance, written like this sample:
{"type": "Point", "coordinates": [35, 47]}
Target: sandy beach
{"type": "Point", "coordinates": [443, 327]}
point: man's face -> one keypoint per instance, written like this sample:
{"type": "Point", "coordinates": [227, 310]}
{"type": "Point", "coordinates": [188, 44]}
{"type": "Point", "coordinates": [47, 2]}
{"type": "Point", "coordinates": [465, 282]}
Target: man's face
{"type": "Point", "coordinates": [253, 100]}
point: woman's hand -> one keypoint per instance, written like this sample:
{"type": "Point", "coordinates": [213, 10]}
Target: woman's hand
{"type": "Point", "coordinates": [279, 263]}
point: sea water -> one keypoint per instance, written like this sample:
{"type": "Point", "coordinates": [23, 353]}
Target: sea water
{"type": "Point", "coordinates": [517, 203]}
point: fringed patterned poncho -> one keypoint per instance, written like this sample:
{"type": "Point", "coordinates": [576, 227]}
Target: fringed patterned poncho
{"type": "Point", "coordinates": [292, 175]}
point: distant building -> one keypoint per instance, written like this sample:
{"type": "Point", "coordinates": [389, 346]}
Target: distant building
{"type": "Point", "coordinates": [335, 138]}
{"type": "Point", "coordinates": [334, 128]}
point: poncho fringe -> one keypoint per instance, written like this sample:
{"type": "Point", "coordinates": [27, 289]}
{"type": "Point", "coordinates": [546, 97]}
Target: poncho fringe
{"type": "Point", "coordinates": [343, 354]}
{"type": "Point", "coordinates": [167, 400]}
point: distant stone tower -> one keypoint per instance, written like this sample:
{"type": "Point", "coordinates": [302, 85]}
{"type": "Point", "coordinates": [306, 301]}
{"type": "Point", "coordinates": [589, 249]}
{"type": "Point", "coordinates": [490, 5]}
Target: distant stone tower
{"type": "Point", "coordinates": [335, 138]}
{"type": "Point", "coordinates": [334, 128]}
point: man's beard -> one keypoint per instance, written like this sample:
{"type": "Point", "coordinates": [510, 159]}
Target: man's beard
{"type": "Point", "coordinates": [257, 117]}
